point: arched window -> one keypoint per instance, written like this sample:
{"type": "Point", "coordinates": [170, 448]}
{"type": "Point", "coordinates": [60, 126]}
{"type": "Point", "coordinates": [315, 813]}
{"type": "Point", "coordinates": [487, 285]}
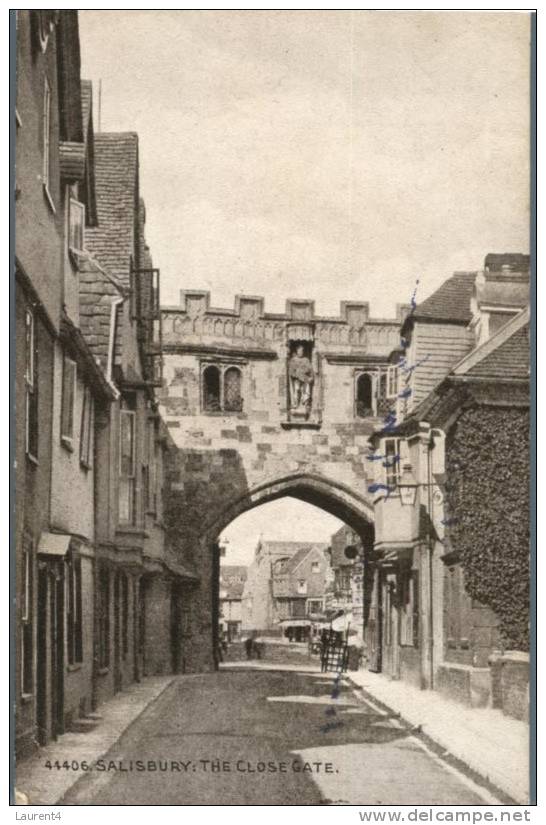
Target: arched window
{"type": "Point", "coordinates": [364, 396]}
{"type": "Point", "coordinates": [233, 401]}
{"type": "Point", "coordinates": [211, 389]}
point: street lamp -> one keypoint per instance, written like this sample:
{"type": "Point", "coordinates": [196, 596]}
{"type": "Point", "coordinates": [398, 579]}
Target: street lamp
{"type": "Point", "coordinates": [407, 486]}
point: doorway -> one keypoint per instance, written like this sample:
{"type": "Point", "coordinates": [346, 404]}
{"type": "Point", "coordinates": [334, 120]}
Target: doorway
{"type": "Point", "coordinates": [50, 653]}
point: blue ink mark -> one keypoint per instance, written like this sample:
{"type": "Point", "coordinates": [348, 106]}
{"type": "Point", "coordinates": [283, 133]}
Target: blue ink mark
{"type": "Point", "coordinates": [407, 370]}
{"type": "Point", "coordinates": [381, 457]}
{"type": "Point", "coordinates": [374, 488]}
{"type": "Point", "coordinates": [331, 711]}
{"type": "Point", "coordinates": [405, 393]}
{"type": "Point", "coordinates": [389, 423]}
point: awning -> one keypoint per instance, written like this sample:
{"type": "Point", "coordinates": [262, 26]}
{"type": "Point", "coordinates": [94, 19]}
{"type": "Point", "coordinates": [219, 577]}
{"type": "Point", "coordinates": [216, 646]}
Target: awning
{"type": "Point", "coordinates": [54, 544]}
{"type": "Point", "coordinates": [295, 623]}
{"type": "Point", "coordinates": [342, 622]}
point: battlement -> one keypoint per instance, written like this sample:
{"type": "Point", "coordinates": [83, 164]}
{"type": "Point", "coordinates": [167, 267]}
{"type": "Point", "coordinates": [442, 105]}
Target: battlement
{"type": "Point", "coordinates": [194, 303]}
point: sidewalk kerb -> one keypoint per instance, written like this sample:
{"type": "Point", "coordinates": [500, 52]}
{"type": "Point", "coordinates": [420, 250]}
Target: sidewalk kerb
{"type": "Point", "coordinates": [438, 749]}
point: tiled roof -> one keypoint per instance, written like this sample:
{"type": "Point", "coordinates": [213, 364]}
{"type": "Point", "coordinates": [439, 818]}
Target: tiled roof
{"type": "Point", "coordinates": [301, 554]}
{"type": "Point", "coordinates": [509, 360]}
{"type": "Point", "coordinates": [450, 303]}
{"type": "Point", "coordinates": [97, 292]}
{"type": "Point", "coordinates": [112, 242]}
{"type": "Point", "coordinates": [289, 548]}
{"type": "Point", "coordinates": [504, 356]}
{"type": "Point", "coordinates": [232, 580]}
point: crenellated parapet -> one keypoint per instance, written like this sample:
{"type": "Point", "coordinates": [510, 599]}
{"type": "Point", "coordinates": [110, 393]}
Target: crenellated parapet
{"type": "Point", "coordinates": [195, 321]}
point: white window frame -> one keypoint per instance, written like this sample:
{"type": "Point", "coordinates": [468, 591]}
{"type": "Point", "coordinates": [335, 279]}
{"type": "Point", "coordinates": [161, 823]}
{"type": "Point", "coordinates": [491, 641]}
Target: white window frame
{"type": "Point", "coordinates": [86, 429]}
{"type": "Point", "coordinates": [25, 607]}
{"type": "Point", "coordinates": [46, 143]}
{"type": "Point", "coordinates": [74, 206]}
{"type": "Point", "coordinates": [27, 633]}
{"type": "Point", "coordinates": [67, 438]}
{"type": "Point", "coordinates": [30, 376]}
{"type": "Point", "coordinates": [392, 381]}
{"type": "Point", "coordinates": [130, 477]}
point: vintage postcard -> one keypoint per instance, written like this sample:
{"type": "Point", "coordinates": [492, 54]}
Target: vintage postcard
{"type": "Point", "coordinates": [274, 327]}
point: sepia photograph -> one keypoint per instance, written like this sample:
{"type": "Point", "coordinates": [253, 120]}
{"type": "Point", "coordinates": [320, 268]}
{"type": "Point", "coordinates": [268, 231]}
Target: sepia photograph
{"type": "Point", "coordinates": [273, 341]}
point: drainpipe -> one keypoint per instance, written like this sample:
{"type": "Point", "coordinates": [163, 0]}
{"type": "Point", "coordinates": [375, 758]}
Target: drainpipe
{"type": "Point", "coordinates": [111, 338]}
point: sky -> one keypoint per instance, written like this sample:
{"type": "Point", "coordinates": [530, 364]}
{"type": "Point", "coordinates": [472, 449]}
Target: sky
{"type": "Point", "coordinates": [275, 521]}
{"type": "Point", "coordinates": [332, 155]}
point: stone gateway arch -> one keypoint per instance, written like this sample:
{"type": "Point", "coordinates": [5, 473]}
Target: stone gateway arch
{"type": "Point", "coordinates": [260, 406]}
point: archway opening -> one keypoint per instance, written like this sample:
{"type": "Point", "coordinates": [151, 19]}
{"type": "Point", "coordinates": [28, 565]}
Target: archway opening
{"type": "Point", "coordinates": [291, 569]}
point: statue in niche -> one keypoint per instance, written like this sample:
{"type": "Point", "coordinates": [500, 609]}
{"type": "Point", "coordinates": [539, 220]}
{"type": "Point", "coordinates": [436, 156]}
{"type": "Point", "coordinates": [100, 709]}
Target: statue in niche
{"type": "Point", "coordinates": [301, 377]}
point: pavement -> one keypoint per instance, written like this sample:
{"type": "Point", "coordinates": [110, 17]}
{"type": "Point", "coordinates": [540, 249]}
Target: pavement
{"type": "Point", "coordinates": [224, 737]}
{"type": "Point", "coordinates": [38, 784]}
{"type": "Point", "coordinates": [484, 740]}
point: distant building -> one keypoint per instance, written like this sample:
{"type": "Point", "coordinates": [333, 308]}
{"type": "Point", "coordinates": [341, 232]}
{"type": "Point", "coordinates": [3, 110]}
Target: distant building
{"type": "Point", "coordinates": [298, 584]}
{"type": "Point", "coordinates": [346, 591]}
{"type": "Point", "coordinates": [285, 581]}
{"type": "Point", "coordinates": [232, 583]}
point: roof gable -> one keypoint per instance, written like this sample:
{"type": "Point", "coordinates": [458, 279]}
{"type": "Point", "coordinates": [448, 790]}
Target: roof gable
{"type": "Point", "coordinates": [504, 355]}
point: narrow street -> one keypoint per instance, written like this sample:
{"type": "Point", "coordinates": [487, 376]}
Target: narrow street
{"type": "Point", "coordinates": [277, 737]}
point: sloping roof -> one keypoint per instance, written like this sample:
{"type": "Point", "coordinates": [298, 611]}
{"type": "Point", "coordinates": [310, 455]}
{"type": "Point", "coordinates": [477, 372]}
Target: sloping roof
{"type": "Point", "coordinates": [302, 553]}
{"type": "Point", "coordinates": [232, 580]}
{"type": "Point", "coordinates": [112, 242]}
{"type": "Point", "coordinates": [98, 290]}
{"type": "Point", "coordinates": [504, 355]}
{"type": "Point", "coordinates": [450, 303]}
{"type": "Point", "coordinates": [289, 548]}
{"type": "Point", "coordinates": [510, 360]}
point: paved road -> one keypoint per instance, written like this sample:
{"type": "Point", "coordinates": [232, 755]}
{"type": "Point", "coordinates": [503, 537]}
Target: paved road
{"type": "Point", "coordinates": [253, 737]}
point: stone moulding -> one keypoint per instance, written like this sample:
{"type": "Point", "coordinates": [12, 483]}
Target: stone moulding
{"type": "Point", "coordinates": [332, 496]}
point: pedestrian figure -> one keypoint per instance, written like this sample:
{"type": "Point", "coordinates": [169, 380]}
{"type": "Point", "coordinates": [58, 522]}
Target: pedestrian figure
{"type": "Point", "coordinates": [248, 647]}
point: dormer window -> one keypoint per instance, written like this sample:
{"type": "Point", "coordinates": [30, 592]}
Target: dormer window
{"type": "Point", "coordinates": [76, 224]}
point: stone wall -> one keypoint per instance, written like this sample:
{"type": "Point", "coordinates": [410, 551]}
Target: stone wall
{"type": "Point", "coordinates": [227, 462]}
